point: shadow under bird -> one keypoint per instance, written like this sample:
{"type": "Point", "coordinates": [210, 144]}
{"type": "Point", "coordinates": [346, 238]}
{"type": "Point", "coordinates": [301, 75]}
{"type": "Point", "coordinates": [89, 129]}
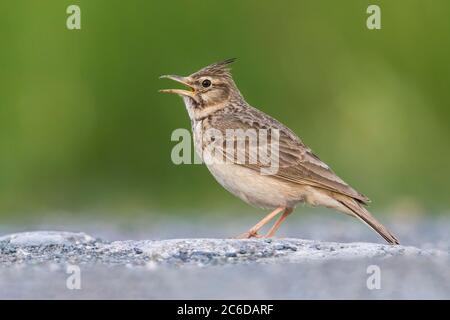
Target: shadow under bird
{"type": "Point", "coordinates": [213, 101]}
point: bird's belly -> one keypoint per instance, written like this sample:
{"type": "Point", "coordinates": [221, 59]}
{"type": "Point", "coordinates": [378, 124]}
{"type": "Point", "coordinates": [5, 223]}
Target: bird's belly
{"type": "Point", "coordinates": [256, 189]}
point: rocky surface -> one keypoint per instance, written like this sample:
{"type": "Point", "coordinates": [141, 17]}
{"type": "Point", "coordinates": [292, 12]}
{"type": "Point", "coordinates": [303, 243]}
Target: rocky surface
{"type": "Point", "coordinates": [40, 264]}
{"type": "Point", "coordinates": [79, 248]}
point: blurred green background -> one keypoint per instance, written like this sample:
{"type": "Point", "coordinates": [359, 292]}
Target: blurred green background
{"type": "Point", "coordinates": [83, 128]}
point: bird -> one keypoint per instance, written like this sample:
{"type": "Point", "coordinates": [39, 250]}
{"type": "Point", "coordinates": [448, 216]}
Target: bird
{"type": "Point", "coordinates": [214, 102]}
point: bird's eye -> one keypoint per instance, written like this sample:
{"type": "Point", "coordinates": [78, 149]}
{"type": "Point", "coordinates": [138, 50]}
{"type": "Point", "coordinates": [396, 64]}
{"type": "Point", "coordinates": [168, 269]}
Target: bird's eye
{"type": "Point", "coordinates": [206, 83]}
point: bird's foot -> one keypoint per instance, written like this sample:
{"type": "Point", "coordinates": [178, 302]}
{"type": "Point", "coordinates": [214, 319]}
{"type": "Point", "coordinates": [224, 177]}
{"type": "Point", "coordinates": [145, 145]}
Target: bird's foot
{"type": "Point", "coordinates": [249, 234]}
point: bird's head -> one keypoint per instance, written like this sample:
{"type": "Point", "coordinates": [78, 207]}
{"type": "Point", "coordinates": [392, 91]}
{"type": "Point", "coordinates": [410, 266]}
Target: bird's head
{"type": "Point", "coordinates": [209, 87]}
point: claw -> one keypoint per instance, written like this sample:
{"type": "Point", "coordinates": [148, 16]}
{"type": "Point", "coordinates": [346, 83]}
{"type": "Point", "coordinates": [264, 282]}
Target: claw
{"type": "Point", "coordinates": [248, 235]}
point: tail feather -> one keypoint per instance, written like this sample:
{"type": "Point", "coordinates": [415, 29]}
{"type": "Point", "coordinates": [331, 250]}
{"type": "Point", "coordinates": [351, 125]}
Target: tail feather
{"type": "Point", "coordinates": [364, 215]}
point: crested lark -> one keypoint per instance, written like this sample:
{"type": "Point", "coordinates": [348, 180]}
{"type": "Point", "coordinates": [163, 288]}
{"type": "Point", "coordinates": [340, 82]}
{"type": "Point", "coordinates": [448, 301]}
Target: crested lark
{"type": "Point", "coordinates": [215, 103]}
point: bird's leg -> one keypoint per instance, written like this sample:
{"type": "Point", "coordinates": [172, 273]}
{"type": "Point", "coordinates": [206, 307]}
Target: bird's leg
{"type": "Point", "coordinates": [278, 223]}
{"type": "Point", "coordinates": [253, 232]}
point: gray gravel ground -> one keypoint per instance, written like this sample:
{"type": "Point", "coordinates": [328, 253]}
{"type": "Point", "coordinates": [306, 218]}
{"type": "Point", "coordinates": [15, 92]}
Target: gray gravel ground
{"type": "Point", "coordinates": [35, 264]}
{"type": "Point", "coordinates": [43, 247]}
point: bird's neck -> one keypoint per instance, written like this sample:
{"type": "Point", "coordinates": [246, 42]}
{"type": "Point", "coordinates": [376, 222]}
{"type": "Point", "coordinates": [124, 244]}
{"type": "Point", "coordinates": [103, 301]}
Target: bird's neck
{"type": "Point", "coordinates": [203, 112]}
{"type": "Point", "coordinates": [198, 112]}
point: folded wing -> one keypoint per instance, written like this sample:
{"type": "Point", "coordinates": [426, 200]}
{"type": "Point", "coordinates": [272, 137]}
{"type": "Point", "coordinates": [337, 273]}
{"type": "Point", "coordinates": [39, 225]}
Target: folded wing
{"type": "Point", "coordinates": [296, 162]}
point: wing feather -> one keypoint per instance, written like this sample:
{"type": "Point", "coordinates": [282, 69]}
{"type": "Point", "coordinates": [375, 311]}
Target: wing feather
{"type": "Point", "coordinates": [297, 163]}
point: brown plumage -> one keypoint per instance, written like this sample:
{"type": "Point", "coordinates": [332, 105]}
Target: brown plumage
{"type": "Point", "coordinates": [214, 102]}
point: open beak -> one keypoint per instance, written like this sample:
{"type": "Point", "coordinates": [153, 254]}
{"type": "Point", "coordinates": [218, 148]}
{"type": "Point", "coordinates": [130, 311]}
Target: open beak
{"type": "Point", "coordinates": [184, 80]}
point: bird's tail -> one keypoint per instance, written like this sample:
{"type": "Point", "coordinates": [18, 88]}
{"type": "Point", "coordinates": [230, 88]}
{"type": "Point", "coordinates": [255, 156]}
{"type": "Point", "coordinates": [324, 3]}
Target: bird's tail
{"type": "Point", "coordinates": [360, 212]}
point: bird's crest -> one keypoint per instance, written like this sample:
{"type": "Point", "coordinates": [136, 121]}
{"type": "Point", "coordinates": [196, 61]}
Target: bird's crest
{"type": "Point", "coordinates": [217, 69]}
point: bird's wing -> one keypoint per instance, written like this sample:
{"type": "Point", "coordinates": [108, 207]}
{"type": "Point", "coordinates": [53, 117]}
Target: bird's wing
{"type": "Point", "coordinates": [296, 162]}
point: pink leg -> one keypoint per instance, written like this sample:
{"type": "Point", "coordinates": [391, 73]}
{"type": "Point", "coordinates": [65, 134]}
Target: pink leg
{"type": "Point", "coordinates": [253, 232]}
{"type": "Point", "coordinates": [277, 224]}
